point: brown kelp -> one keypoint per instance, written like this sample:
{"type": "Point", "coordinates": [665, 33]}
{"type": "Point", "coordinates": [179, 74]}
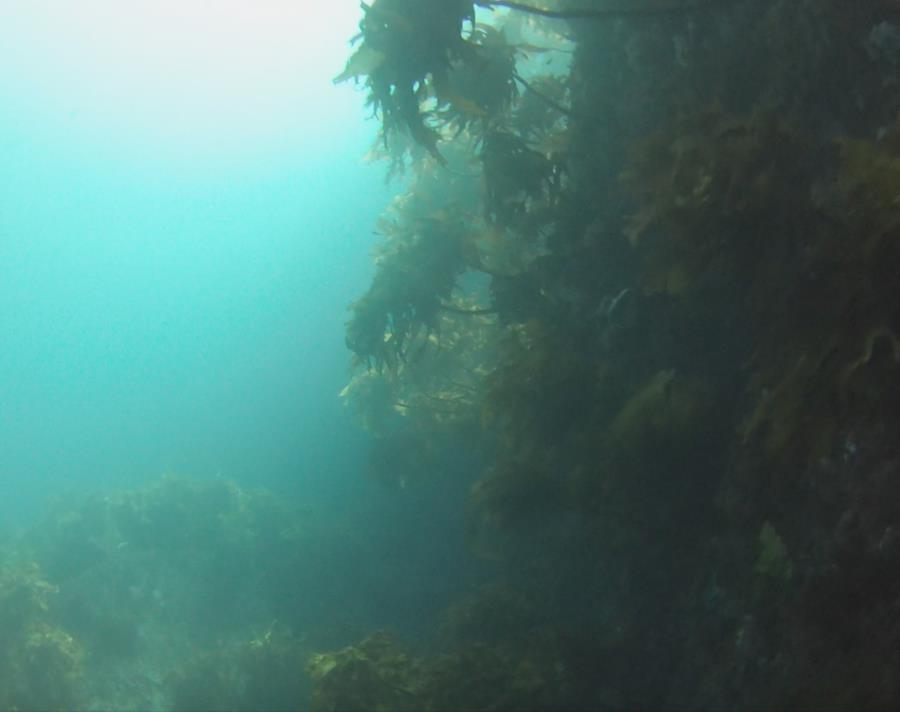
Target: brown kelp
{"type": "Point", "coordinates": [686, 260]}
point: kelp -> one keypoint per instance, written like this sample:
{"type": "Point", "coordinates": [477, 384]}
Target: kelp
{"type": "Point", "coordinates": [406, 44]}
{"type": "Point", "coordinates": [428, 77]}
{"type": "Point", "coordinates": [668, 413]}
{"type": "Point", "coordinates": [482, 87]}
{"type": "Point", "coordinates": [415, 276]}
{"type": "Point", "coordinates": [514, 494]}
{"type": "Point", "coordinates": [688, 406]}
{"type": "Point", "coordinates": [836, 351]}
{"type": "Point", "coordinates": [658, 7]}
{"type": "Point", "coordinates": [518, 179]}
{"type": "Point", "coordinates": [426, 246]}
{"type": "Point", "coordinates": [708, 191]}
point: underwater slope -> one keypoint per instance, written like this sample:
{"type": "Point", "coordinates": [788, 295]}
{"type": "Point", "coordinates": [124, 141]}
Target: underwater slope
{"type": "Point", "coordinates": [679, 363]}
{"type": "Point", "coordinates": [632, 333]}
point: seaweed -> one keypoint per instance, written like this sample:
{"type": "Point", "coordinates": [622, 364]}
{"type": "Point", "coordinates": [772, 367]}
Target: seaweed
{"type": "Point", "coordinates": [379, 674]}
{"type": "Point", "coordinates": [40, 663]}
{"type": "Point", "coordinates": [374, 675]}
{"type": "Point", "coordinates": [405, 45]}
{"type": "Point", "coordinates": [689, 244]}
{"type": "Point", "coordinates": [773, 561]}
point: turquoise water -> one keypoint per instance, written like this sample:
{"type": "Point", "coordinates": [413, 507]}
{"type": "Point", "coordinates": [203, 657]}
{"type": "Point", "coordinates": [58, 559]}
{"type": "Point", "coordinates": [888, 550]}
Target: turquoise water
{"type": "Point", "coordinates": [595, 408]}
{"type": "Point", "coordinates": [185, 217]}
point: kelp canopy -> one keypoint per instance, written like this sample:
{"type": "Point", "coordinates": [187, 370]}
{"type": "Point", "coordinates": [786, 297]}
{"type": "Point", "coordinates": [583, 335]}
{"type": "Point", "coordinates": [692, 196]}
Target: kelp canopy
{"type": "Point", "coordinates": [654, 288]}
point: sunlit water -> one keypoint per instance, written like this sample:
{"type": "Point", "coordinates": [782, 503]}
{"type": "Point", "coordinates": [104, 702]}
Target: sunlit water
{"type": "Point", "coordinates": [184, 217]}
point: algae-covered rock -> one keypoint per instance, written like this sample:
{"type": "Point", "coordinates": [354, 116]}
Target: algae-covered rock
{"type": "Point", "coordinates": [379, 675]}
{"type": "Point", "coordinates": [376, 675]}
{"type": "Point", "coordinates": [262, 673]}
{"type": "Point", "coordinates": [40, 663]}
